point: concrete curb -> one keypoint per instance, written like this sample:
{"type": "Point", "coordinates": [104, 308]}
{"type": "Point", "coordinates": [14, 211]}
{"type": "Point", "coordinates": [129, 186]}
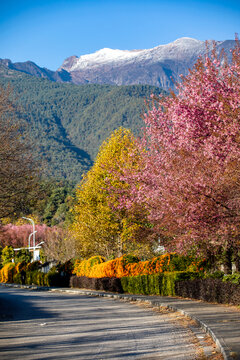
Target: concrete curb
{"type": "Point", "coordinates": [222, 347]}
{"type": "Point", "coordinates": [218, 341]}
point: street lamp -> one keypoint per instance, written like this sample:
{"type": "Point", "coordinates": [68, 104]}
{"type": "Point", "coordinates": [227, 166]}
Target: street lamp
{"type": "Point", "coordinates": [33, 232]}
{"type": "Point", "coordinates": [29, 239]}
{"type": "Point", "coordinates": [35, 247]}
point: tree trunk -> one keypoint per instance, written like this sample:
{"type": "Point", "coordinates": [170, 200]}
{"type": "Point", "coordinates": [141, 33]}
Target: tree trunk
{"type": "Point", "coordinates": [212, 261]}
{"type": "Point", "coordinates": [237, 262]}
{"type": "Point", "coordinates": [120, 247]}
{"type": "Point", "coordinates": [228, 262]}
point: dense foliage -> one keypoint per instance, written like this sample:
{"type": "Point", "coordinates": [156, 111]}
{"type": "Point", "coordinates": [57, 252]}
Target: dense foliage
{"type": "Point", "coordinates": [189, 181]}
{"type": "Point", "coordinates": [17, 235]}
{"type": "Point", "coordinates": [67, 123]}
{"type": "Point", "coordinates": [7, 255]}
{"type": "Point", "coordinates": [57, 243]}
{"type": "Point", "coordinates": [155, 284]}
{"type": "Point", "coordinates": [53, 204]}
{"type": "Point", "coordinates": [179, 185]}
{"type": "Point", "coordinates": [212, 290]}
{"type": "Point", "coordinates": [100, 226]}
{"type": "Point", "coordinates": [30, 273]}
{"type": "Point", "coordinates": [97, 267]}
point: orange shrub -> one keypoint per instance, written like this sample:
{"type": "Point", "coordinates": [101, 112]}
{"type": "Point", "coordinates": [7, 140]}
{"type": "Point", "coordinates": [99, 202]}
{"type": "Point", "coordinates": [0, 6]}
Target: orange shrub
{"type": "Point", "coordinates": [120, 267]}
{"type": "Point", "coordinates": [84, 267]}
{"type": "Point", "coordinates": [7, 272]}
{"type": "Point", "coordinates": [20, 266]}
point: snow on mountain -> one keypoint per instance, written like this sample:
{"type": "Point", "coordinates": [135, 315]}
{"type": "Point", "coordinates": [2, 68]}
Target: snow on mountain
{"type": "Point", "coordinates": [103, 56]}
{"type": "Point", "coordinates": [179, 48]}
{"type": "Point", "coordinates": [160, 66]}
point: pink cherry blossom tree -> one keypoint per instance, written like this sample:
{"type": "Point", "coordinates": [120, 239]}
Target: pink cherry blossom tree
{"type": "Point", "coordinates": [58, 243]}
{"type": "Point", "coordinates": [190, 176]}
{"type": "Point", "coordinates": [17, 235]}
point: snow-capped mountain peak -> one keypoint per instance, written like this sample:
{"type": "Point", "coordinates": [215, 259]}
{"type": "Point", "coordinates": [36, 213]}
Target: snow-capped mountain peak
{"type": "Point", "coordinates": [100, 57]}
{"type": "Point", "coordinates": [159, 66]}
{"type": "Point", "coordinates": [156, 66]}
{"type": "Point", "coordinates": [107, 56]}
{"type": "Point", "coordinates": [186, 40]}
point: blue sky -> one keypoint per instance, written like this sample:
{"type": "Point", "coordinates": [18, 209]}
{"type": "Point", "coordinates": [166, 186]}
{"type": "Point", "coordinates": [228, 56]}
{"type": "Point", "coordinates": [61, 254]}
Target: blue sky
{"type": "Point", "coordinates": [47, 32]}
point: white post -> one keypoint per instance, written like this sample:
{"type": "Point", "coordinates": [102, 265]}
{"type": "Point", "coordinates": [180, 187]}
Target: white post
{"type": "Point", "coordinates": [29, 241]}
{"type": "Point", "coordinates": [33, 232]}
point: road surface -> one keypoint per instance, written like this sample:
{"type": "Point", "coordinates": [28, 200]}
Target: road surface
{"type": "Point", "coordinates": [45, 325]}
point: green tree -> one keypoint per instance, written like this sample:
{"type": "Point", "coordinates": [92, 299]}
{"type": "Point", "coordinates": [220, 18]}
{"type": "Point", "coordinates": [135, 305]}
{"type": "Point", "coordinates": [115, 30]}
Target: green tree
{"type": "Point", "coordinates": [23, 255]}
{"type": "Point", "coordinates": [7, 255]}
{"type": "Point", "coordinates": [68, 122]}
{"type": "Point", "coordinates": [57, 205]}
{"type": "Point", "coordinates": [53, 202]}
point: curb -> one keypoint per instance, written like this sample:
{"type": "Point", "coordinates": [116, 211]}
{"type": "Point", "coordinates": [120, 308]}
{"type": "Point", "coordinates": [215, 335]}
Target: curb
{"type": "Point", "coordinates": [222, 347]}
{"type": "Point", "coordinates": [219, 342]}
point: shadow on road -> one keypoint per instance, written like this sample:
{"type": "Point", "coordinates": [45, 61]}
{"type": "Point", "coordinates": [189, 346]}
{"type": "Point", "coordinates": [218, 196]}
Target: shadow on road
{"type": "Point", "coordinates": [20, 307]}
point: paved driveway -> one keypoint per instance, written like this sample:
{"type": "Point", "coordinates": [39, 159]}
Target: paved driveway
{"type": "Point", "coordinates": [45, 325]}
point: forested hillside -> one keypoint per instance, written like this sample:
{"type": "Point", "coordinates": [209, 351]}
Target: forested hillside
{"type": "Point", "coordinates": [67, 123]}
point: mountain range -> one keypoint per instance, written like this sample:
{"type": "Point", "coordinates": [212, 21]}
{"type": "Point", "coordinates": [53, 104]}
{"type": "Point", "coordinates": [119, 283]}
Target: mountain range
{"type": "Point", "coordinates": [159, 66]}
{"type": "Point", "coordinates": [71, 111]}
{"type": "Point", "coordinates": [67, 123]}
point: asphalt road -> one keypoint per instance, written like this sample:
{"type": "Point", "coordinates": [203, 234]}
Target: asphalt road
{"type": "Point", "coordinates": [45, 325]}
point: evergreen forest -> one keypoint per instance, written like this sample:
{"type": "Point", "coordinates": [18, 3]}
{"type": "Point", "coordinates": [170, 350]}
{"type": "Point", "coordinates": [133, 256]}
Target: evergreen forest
{"type": "Point", "coordinates": [67, 123]}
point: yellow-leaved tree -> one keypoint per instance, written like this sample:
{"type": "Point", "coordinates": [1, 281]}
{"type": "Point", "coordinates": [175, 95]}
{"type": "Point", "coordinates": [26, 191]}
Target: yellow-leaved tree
{"type": "Point", "coordinates": [102, 225]}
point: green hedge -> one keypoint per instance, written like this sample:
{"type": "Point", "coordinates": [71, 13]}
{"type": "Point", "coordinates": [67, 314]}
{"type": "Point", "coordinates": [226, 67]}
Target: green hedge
{"type": "Point", "coordinates": [160, 284]}
{"type": "Point", "coordinates": [181, 283]}
{"type": "Point", "coordinates": [39, 278]}
{"type": "Point", "coordinates": [211, 290]}
{"type": "Point", "coordinates": [185, 284]}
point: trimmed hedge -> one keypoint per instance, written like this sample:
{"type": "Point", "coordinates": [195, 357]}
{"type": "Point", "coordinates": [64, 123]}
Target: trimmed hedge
{"type": "Point", "coordinates": [217, 288]}
{"type": "Point", "coordinates": [129, 265]}
{"type": "Point", "coordinates": [38, 278]}
{"type": "Point", "coordinates": [211, 290]}
{"type": "Point", "coordinates": [183, 284]}
{"type": "Point", "coordinates": [7, 273]}
{"type": "Point", "coordinates": [162, 284]}
{"type": "Point", "coordinates": [106, 284]}
{"type": "Point", "coordinates": [30, 274]}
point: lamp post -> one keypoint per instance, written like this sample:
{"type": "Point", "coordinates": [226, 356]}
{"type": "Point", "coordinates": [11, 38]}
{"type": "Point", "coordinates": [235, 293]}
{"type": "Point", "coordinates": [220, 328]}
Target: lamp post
{"type": "Point", "coordinates": [33, 232]}
{"type": "Point", "coordinates": [29, 239]}
{"type": "Point", "coordinates": [34, 247]}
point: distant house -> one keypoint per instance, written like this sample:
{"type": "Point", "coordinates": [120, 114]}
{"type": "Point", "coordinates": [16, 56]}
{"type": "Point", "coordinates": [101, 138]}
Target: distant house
{"type": "Point", "coordinates": [48, 265]}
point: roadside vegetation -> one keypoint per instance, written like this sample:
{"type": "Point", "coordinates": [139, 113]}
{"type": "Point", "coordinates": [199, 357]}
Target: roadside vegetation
{"type": "Point", "coordinates": [158, 214]}
{"type": "Point", "coordinates": [67, 123]}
